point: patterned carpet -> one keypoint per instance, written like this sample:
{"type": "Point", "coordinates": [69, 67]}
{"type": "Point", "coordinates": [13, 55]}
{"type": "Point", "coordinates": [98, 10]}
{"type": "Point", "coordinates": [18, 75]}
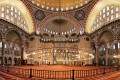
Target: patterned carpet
{"type": "Point", "coordinates": [59, 67]}
{"type": "Point", "coordinates": [108, 76]}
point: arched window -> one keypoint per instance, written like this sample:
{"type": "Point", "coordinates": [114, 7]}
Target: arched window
{"type": "Point", "coordinates": [106, 15]}
{"type": "Point", "coordinates": [13, 15]}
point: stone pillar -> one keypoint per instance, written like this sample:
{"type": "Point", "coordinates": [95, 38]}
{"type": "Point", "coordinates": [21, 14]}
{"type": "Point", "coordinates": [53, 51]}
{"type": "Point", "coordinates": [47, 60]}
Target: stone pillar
{"type": "Point", "coordinates": [106, 57]}
{"type": "Point", "coordinates": [13, 57]}
{"type": "Point", "coordinates": [106, 54]}
{"type": "Point", "coordinates": [116, 52]}
{"type": "Point", "coordinates": [23, 61]}
{"type": "Point", "coordinates": [96, 54]}
{"type": "Point", "coordinates": [116, 48]}
{"type": "Point", "coordinates": [3, 50]}
{"type": "Point", "coordinates": [22, 54]}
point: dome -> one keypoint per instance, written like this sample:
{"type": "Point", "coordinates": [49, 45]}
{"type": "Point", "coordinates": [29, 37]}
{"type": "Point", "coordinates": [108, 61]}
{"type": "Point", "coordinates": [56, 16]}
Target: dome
{"type": "Point", "coordinates": [59, 5]}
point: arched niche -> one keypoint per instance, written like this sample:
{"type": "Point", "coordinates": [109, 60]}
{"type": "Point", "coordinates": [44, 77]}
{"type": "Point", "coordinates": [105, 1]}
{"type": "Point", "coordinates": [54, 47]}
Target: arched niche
{"type": "Point", "coordinates": [115, 51]}
{"type": "Point", "coordinates": [5, 60]}
{"type": "Point", "coordinates": [19, 61]}
{"type": "Point", "coordinates": [15, 61]}
{"type": "Point", "coordinates": [13, 43]}
{"type": "Point", "coordinates": [107, 37]}
{"type": "Point", "coordinates": [107, 52]}
{"type": "Point", "coordinates": [101, 53]}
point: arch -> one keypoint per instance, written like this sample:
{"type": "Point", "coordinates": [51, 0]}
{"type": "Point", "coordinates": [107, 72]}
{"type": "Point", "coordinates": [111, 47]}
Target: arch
{"type": "Point", "coordinates": [19, 61]}
{"type": "Point", "coordinates": [9, 60]}
{"type": "Point", "coordinates": [17, 32]}
{"type": "Point", "coordinates": [118, 35]}
{"type": "Point", "coordinates": [101, 41]}
{"type": "Point", "coordinates": [97, 8]}
{"type": "Point", "coordinates": [103, 32]}
{"type": "Point", "coordinates": [74, 34]}
{"type": "Point", "coordinates": [12, 38]}
{"type": "Point", "coordinates": [5, 60]}
{"type": "Point", "coordinates": [47, 18]}
{"type": "Point", "coordinates": [15, 61]}
{"type": "Point", "coordinates": [115, 41]}
{"type": "Point", "coordinates": [112, 47]}
{"type": "Point", "coordinates": [24, 11]}
{"type": "Point", "coordinates": [69, 24]}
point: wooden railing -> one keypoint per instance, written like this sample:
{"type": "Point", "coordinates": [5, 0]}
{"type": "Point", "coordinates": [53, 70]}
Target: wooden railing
{"type": "Point", "coordinates": [50, 74]}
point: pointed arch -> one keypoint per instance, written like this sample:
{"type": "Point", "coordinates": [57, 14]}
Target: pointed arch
{"type": "Point", "coordinates": [104, 31]}
{"type": "Point", "coordinates": [13, 30]}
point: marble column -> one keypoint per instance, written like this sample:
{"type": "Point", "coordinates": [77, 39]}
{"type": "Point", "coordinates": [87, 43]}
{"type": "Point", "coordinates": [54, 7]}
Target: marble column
{"type": "Point", "coordinates": [96, 54]}
{"type": "Point", "coordinates": [22, 54]}
{"type": "Point", "coordinates": [106, 57]}
{"type": "Point", "coordinates": [13, 57]}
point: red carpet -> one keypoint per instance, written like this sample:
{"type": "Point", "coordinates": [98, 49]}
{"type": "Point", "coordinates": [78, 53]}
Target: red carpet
{"type": "Point", "coordinates": [80, 72]}
{"type": "Point", "coordinates": [59, 67]}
